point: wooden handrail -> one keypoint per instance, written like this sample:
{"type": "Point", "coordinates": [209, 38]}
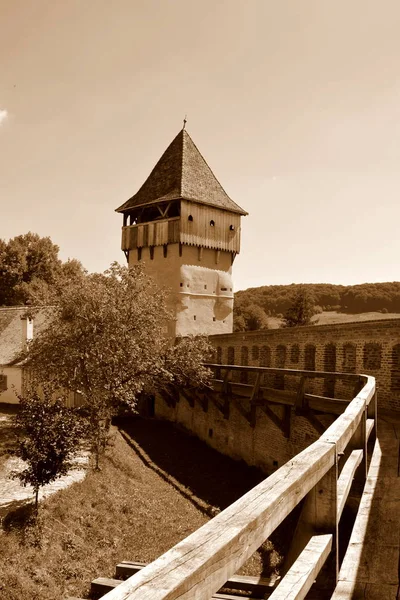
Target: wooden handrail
{"type": "Point", "coordinates": [201, 563]}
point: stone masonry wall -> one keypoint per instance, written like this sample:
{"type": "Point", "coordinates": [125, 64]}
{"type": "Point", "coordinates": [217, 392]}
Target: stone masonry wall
{"type": "Point", "coordinates": [371, 348]}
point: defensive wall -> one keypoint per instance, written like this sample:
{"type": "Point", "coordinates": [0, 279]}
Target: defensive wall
{"type": "Point", "coordinates": [372, 348]}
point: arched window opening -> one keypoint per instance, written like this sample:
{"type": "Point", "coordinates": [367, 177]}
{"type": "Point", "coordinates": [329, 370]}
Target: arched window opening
{"type": "Point", "coordinates": [212, 223]}
{"type": "Point", "coordinates": [190, 218]}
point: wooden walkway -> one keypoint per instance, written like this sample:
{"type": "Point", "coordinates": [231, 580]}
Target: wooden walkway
{"type": "Point", "coordinates": [370, 569]}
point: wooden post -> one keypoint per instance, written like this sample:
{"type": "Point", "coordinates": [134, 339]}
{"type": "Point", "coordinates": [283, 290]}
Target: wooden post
{"type": "Point", "coordinates": [359, 441]}
{"type": "Point", "coordinates": [319, 516]}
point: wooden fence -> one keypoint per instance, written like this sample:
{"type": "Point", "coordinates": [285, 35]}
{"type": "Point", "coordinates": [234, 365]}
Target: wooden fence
{"type": "Point", "coordinates": [321, 475]}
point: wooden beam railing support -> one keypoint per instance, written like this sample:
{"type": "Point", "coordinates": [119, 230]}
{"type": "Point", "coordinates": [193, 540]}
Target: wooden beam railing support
{"type": "Point", "coordinates": [200, 564]}
{"type": "Point", "coordinates": [300, 577]}
{"type": "Point", "coordinates": [319, 516]}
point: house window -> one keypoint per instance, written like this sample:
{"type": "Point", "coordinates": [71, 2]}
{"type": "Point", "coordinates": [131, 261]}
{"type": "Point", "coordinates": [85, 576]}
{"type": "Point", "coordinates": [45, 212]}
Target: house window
{"type": "Point", "coordinates": [212, 223]}
{"type": "Point", "coordinates": [190, 218]}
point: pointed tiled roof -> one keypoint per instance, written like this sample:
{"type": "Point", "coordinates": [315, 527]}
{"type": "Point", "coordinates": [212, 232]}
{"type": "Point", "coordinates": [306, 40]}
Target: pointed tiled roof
{"type": "Point", "coordinates": [182, 172]}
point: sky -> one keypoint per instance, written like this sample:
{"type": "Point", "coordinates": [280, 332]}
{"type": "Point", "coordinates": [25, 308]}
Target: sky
{"type": "Point", "coordinates": [295, 105]}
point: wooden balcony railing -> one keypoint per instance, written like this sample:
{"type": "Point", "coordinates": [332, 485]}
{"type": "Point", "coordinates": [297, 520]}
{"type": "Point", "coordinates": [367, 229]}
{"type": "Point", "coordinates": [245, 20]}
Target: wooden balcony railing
{"type": "Point", "coordinates": [321, 475]}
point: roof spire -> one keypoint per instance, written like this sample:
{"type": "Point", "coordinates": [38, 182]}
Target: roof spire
{"type": "Point", "coordinates": [184, 122]}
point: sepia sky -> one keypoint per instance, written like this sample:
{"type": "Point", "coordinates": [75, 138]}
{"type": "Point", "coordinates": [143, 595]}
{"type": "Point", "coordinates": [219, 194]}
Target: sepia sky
{"type": "Point", "coordinates": [294, 104]}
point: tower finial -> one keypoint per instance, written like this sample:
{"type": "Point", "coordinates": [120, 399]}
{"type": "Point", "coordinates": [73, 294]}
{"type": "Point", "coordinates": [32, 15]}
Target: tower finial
{"type": "Point", "coordinates": [184, 122]}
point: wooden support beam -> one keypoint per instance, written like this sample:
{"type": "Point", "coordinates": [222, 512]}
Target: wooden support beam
{"type": "Point", "coordinates": [168, 398]}
{"type": "Point", "coordinates": [187, 396]}
{"type": "Point", "coordinates": [236, 401]}
{"type": "Point", "coordinates": [282, 424]}
{"type": "Point", "coordinates": [319, 516]}
{"type": "Point", "coordinates": [300, 577]}
{"type": "Point", "coordinates": [249, 585]}
{"type": "Point", "coordinates": [200, 564]}
{"type": "Point", "coordinates": [214, 398]}
{"type": "Point", "coordinates": [299, 401]}
{"type": "Point", "coordinates": [346, 479]}
{"type": "Point", "coordinates": [254, 396]}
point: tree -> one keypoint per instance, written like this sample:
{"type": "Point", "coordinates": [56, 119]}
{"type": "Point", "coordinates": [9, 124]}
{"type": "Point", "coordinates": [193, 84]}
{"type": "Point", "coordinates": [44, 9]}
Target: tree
{"type": "Point", "coordinates": [49, 435]}
{"type": "Point", "coordinates": [107, 341]}
{"type": "Point", "coordinates": [31, 272]}
{"type": "Point", "coordinates": [301, 309]}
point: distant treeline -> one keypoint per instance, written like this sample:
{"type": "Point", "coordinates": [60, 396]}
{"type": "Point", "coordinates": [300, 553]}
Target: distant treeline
{"type": "Point", "coordinates": [366, 297]}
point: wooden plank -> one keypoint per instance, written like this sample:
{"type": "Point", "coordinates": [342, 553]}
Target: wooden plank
{"type": "Point", "coordinates": [127, 568]}
{"type": "Point", "coordinates": [253, 585]}
{"type": "Point", "coordinates": [199, 565]}
{"type": "Point", "coordinates": [373, 551]}
{"type": "Point", "coordinates": [100, 586]}
{"type": "Point", "coordinates": [343, 429]}
{"type": "Point", "coordinates": [370, 427]}
{"type": "Point", "coordinates": [351, 590]}
{"type": "Point", "coordinates": [300, 577]}
{"type": "Point", "coordinates": [298, 373]}
{"type": "Point", "coordinates": [346, 479]}
{"type": "Point", "coordinates": [220, 596]}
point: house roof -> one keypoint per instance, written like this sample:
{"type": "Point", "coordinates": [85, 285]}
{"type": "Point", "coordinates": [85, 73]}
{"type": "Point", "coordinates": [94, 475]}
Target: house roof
{"type": "Point", "coordinates": [182, 173]}
{"type": "Point", "coordinates": [11, 338]}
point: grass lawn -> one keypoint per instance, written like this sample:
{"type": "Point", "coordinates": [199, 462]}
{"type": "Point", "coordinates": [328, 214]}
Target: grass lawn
{"type": "Point", "coordinates": [124, 512]}
{"type": "Point", "coordinates": [332, 317]}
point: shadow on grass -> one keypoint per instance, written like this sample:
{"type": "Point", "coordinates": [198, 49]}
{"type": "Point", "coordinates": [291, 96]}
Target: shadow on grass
{"type": "Point", "coordinates": [214, 478]}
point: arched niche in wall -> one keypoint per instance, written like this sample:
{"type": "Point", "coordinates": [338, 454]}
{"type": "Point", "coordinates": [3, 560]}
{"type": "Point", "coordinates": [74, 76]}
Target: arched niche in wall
{"type": "Point", "coordinates": [244, 360]}
{"type": "Point", "coordinates": [330, 366]}
{"type": "Point", "coordinates": [372, 359]}
{"type": "Point", "coordinates": [349, 358]}
{"type": "Point", "coordinates": [231, 355]}
{"type": "Point", "coordinates": [395, 369]}
{"type": "Point", "coordinates": [265, 356]}
{"type": "Point", "coordinates": [295, 354]}
{"type": "Point", "coordinates": [309, 357]}
{"type": "Point", "coordinates": [280, 361]}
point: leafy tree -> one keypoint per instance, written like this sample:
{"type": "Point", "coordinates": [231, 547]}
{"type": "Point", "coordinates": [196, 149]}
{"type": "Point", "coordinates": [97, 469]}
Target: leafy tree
{"type": "Point", "coordinates": [31, 272]}
{"type": "Point", "coordinates": [49, 437]}
{"type": "Point", "coordinates": [301, 309]}
{"type": "Point", "coordinates": [107, 341]}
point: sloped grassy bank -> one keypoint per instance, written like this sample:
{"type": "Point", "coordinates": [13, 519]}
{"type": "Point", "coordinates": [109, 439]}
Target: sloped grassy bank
{"type": "Point", "coordinates": [127, 511]}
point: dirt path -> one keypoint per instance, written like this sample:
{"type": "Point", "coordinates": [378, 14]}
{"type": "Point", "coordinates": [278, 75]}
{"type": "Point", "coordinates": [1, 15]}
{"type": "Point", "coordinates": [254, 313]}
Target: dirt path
{"type": "Point", "coordinates": [12, 493]}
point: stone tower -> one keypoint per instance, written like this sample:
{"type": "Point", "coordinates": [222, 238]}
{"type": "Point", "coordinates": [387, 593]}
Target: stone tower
{"type": "Point", "coordinates": [186, 229]}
